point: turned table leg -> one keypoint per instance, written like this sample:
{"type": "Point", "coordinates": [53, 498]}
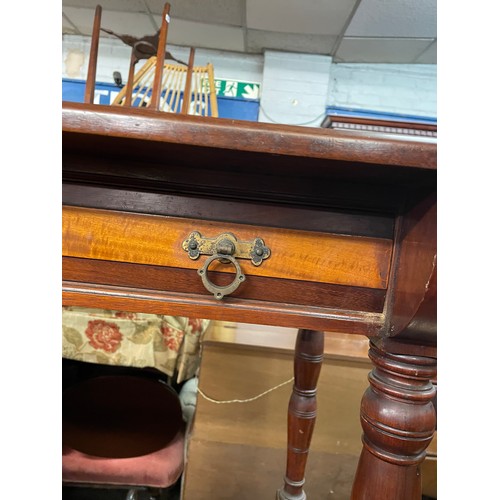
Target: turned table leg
{"type": "Point", "coordinates": [302, 411]}
{"type": "Point", "coordinates": [398, 420]}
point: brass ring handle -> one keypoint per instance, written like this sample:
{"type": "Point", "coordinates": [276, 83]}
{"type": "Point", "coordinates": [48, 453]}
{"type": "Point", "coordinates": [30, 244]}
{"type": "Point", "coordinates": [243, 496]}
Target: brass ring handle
{"type": "Point", "coordinates": [220, 291]}
{"type": "Point", "coordinates": [225, 248]}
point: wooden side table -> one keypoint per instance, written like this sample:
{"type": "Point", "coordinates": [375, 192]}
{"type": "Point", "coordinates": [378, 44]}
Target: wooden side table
{"type": "Point", "coordinates": [259, 223]}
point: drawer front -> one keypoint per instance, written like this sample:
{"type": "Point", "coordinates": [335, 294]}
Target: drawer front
{"type": "Point", "coordinates": [301, 256]}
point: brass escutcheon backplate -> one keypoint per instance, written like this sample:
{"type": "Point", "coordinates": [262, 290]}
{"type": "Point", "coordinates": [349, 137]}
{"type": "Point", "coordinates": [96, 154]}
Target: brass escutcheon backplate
{"type": "Point", "coordinates": [226, 244]}
{"type": "Point", "coordinates": [225, 248]}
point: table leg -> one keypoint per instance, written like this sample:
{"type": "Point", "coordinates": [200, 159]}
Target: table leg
{"type": "Point", "coordinates": [398, 420]}
{"type": "Point", "coordinates": [302, 411]}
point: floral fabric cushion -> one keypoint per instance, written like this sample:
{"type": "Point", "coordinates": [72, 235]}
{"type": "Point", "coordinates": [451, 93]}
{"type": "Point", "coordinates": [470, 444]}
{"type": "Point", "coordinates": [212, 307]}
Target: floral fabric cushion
{"type": "Point", "coordinates": [170, 344]}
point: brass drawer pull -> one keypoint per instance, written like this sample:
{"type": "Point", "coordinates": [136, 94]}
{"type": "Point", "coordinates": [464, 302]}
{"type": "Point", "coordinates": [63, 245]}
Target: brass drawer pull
{"type": "Point", "coordinates": [220, 291]}
{"type": "Point", "coordinates": [225, 248]}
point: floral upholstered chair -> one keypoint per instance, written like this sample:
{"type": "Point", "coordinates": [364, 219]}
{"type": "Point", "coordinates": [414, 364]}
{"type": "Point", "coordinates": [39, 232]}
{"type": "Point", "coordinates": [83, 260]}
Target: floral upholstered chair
{"type": "Point", "coordinates": [170, 344]}
{"type": "Point", "coordinates": [127, 431]}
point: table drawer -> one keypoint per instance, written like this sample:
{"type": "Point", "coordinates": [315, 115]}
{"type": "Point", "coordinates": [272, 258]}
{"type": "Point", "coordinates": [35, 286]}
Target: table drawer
{"type": "Point", "coordinates": [295, 255]}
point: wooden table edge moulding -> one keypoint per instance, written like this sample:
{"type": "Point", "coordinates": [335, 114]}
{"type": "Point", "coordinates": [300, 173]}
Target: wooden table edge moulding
{"type": "Point", "coordinates": [312, 228]}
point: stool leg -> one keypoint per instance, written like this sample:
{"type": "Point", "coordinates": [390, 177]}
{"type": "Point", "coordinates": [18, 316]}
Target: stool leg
{"type": "Point", "coordinates": [131, 495]}
{"type": "Point", "coordinates": [154, 493]}
{"type": "Point", "coordinates": [398, 420]}
{"type": "Point", "coordinates": [302, 411]}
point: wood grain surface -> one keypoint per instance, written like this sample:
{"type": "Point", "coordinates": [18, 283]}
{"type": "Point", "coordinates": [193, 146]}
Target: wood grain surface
{"type": "Point", "coordinates": [229, 210]}
{"type": "Point", "coordinates": [105, 272]}
{"type": "Point", "coordinates": [155, 240]}
{"type": "Point", "coordinates": [229, 309]}
{"type": "Point", "coordinates": [155, 126]}
{"type": "Point", "coordinates": [412, 294]}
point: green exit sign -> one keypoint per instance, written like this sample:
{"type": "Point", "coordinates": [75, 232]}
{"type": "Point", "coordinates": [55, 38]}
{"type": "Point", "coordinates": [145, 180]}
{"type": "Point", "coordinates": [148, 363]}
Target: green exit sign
{"type": "Point", "coordinates": [235, 88]}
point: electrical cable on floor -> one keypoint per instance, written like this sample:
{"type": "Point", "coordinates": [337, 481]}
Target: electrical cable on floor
{"type": "Point", "coordinates": [245, 400]}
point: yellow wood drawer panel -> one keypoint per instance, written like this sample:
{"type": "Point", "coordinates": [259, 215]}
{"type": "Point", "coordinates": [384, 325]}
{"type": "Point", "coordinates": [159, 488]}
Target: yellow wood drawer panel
{"type": "Point", "coordinates": [298, 255]}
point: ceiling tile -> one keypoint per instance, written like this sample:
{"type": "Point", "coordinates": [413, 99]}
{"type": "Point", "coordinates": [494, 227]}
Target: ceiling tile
{"type": "Point", "coordinates": [395, 18]}
{"type": "Point", "coordinates": [83, 19]}
{"type": "Point", "coordinates": [209, 36]}
{"type": "Point", "coordinates": [258, 40]}
{"type": "Point", "coordinates": [123, 5]}
{"type": "Point", "coordinates": [429, 56]}
{"type": "Point", "coordinates": [231, 12]}
{"type": "Point", "coordinates": [321, 17]}
{"type": "Point", "coordinates": [381, 50]}
{"type": "Point", "coordinates": [77, 20]}
{"type": "Point", "coordinates": [378, 27]}
{"type": "Point", "coordinates": [180, 32]}
{"type": "Point", "coordinates": [122, 22]}
{"type": "Point", "coordinates": [127, 22]}
{"type": "Point", "coordinates": [68, 27]}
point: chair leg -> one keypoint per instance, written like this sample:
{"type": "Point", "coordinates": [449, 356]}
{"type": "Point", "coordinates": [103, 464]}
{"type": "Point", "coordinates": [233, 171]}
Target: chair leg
{"type": "Point", "coordinates": [154, 493]}
{"type": "Point", "coordinates": [132, 495]}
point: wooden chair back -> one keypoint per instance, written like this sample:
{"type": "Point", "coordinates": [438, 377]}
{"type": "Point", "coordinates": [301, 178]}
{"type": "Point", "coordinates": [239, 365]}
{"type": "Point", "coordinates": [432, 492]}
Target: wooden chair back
{"type": "Point", "coordinates": [196, 82]}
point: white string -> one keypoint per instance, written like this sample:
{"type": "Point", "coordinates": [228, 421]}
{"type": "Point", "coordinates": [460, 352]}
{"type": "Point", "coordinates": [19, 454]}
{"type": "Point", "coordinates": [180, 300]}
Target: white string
{"type": "Point", "coordinates": [245, 400]}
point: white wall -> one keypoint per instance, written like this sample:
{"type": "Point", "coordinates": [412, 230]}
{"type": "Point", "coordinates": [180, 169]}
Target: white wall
{"type": "Point", "coordinates": [396, 88]}
{"type": "Point", "coordinates": [112, 56]}
{"type": "Point", "coordinates": [295, 88]}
